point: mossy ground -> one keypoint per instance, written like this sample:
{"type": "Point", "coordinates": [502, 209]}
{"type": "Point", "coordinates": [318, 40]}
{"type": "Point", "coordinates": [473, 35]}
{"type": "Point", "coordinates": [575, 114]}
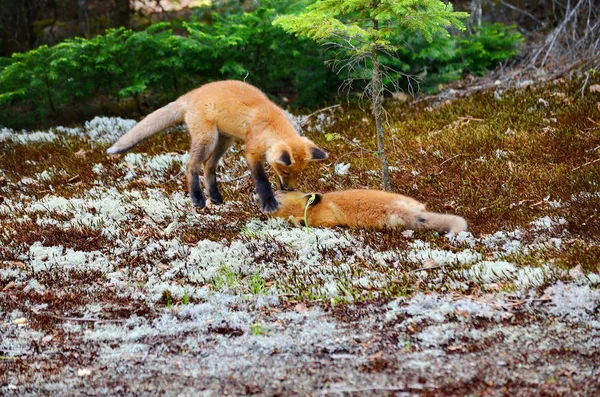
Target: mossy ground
{"type": "Point", "coordinates": [86, 235]}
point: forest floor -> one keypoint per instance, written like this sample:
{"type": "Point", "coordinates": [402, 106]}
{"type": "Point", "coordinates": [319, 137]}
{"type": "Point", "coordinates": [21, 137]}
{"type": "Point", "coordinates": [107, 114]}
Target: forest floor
{"type": "Point", "coordinates": [112, 283]}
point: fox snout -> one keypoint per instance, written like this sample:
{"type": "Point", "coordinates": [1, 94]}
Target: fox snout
{"type": "Point", "coordinates": [287, 184]}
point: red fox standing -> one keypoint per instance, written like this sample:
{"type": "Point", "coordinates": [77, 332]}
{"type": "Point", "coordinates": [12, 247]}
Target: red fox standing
{"type": "Point", "coordinates": [216, 115]}
{"type": "Point", "coordinates": [372, 209]}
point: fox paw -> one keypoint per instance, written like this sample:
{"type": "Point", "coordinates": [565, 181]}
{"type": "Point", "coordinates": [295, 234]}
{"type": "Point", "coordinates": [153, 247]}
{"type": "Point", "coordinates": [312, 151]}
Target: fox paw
{"type": "Point", "coordinates": [198, 200]}
{"type": "Point", "coordinates": [269, 205]}
{"type": "Point", "coordinates": [216, 197]}
{"type": "Point", "coordinates": [217, 200]}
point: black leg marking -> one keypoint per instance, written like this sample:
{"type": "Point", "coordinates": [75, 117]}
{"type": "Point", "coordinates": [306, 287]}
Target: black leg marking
{"type": "Point", "coordinates": [263, 188]}
{"type": "Point", "coordinates": [210, 167]}
{"type": "Point", "coordinates": [213, 190]}
{"type": "Point", "coordinates": [196, 192]}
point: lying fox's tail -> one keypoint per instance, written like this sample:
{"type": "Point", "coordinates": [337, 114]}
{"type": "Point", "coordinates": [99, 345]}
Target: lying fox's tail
{"type": "Point", "coordinates": [165, 117]}
{"type": "Point", "coordinates": [443, 223]}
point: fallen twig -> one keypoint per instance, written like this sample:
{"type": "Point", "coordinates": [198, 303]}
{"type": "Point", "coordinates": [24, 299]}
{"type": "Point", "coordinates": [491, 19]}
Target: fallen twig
{"type": "Point", "coordinates": [523, 301]}
{"type": "Point", "coordinates": [451, 158]}
{"type": "Point", "coordinates": [245, 175]}
{"type": "Point", "coordinates": [587, 77]}
{"type": "Point", "coordinates": [82, 319]}
{"type": "Point", "coordinates": [364, 389]}
{"type": "Point", "coordinates": [588, 163]}
{"type": "Point", "coordinates": [520, 203]}
{"type": "Point", "coordinates": [175, 176]}
{"type": "Point", "coordinates": [346, 154]}
{"type": "Point", "coordinates": [426, 268]}
{"type": "Point", "coordinates": [528, 14]}
{"type": "Point", "coordinates": [469, 118]}
{"type": "Point", "coordinates": [306, 118]}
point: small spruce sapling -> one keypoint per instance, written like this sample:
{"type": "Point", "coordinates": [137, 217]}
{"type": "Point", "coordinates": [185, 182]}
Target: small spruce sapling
{"type": "Point", "coordinates": [363, 30]}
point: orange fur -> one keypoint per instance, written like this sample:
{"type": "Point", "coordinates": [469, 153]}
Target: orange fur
{"type": "Point", "coordinates": [216, 115]}
{"type": "Point", "coordinates": [373, 209]}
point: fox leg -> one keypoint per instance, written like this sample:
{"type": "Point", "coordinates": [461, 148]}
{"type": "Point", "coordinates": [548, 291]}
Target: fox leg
{"type": "Point", "coordinates": [268, 202]}
{"type": "Point", "coordinates": [210, 175]}
{"type": "Point", "coordinates": [202, 147]}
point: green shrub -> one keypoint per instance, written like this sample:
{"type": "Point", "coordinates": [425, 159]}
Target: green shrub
{"type": "Point", "coordinates": [493, 44]}
{"type": "Point", "coordinates": [448, 58]}
{"type": "Point", "coordinates": [43, 82]}
{"type": "Point", "coordinates": [248, 47]}
{"type": "Point", "coordinates": [429, 64]}
{"type": "Point", "coordinates": [124, 70]}
{"type": "Point", "coordinates": [154, 66]}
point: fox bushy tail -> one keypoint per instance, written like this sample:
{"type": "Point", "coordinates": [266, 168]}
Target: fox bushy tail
{"type": "Point", "coordinates": [443, 223]}
{"type": "Point", "coordinates": [167, 116]}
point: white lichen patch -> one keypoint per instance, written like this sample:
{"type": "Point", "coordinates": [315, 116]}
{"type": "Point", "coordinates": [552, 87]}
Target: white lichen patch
{"type": "Point", "coordinates": [153, 167]}
{"type": "Point", "coordinates": [221, 290]}
{"type": "Point", "coordinates": [321, 263]}
{"type": "Point", "coordinates": [99, 208]}
{"type": "Point", "coordinates": [105, 130]}
{"type": "Point", "coordinates": [42, 259]}
{"type": "Point", "coordinates": [491, 271]}
{"type": "Point", "coordinates": [341, 168]}
{"type": "Point", "coordinates": [27, 137]}
{"type": "Point", "coordinates": [576, 303]}
{"type": "Point", "coordinates": [319, 123]}
{"type": "Point", "coordinates": [547, 223]}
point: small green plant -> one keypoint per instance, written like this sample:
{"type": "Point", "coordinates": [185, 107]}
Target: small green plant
{"type": "Point", "coordinates": [168, 298]}
{"type": "Point", "coordinates": [257, 285]}
{"type": "Point", "coordinates": [186, 298]}
{"type": "Point", "coordinates": [257, 329]}
{"type": "Point", "coordinates": [226, 279]}
{"type": "Point", "coordinates": [244, 231]}
{"type": "Point", "coordinates": [308, 203]}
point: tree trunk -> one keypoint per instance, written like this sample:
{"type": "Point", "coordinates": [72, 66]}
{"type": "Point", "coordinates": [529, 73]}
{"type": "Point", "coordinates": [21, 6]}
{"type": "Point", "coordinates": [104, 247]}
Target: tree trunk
{"type": "Point", "coordinates": [49, 94]}
{"type": "Point", "coordinates": [121, 14]}
{"type": "Point", "coordinates": [377, 102]}
{"type": "Point", "coordinates": [82, 16]}
{"type": "Point", "coordinates": [476, 15]}
{"type": "Point", "coordinates": [17, 30]}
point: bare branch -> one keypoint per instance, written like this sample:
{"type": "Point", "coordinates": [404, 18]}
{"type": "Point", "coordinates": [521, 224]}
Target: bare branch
{"type": "Point", "coordinates": [528, 14]}
{"type": "Point", "coordinates": [576, 36]}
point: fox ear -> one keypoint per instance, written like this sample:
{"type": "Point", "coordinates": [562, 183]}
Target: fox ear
{"type": "Point", "coordinates": [284, 158]}
{"type": "Point", "coordinates": [313, 152]}
{"type": "Point", "coordinates": [317, 198]}
{"type": "Point", "coordinates": [281, 154]}
{"type": "Point", "coordinates": [317, 153]}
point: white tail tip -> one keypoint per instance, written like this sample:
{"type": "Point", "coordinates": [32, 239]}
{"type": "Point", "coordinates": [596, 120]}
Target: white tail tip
{"type": "Point", "coordinates": [112, 150]}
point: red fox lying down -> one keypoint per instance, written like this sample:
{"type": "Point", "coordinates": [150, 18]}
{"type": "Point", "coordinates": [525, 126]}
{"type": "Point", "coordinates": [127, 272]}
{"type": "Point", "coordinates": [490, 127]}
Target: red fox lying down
{"type": "Point", "coordinates": [372, 209]}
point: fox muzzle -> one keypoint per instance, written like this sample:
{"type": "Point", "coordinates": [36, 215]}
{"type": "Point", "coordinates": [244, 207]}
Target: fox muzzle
{"type": "Point", "coordinates": [288, 185]}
